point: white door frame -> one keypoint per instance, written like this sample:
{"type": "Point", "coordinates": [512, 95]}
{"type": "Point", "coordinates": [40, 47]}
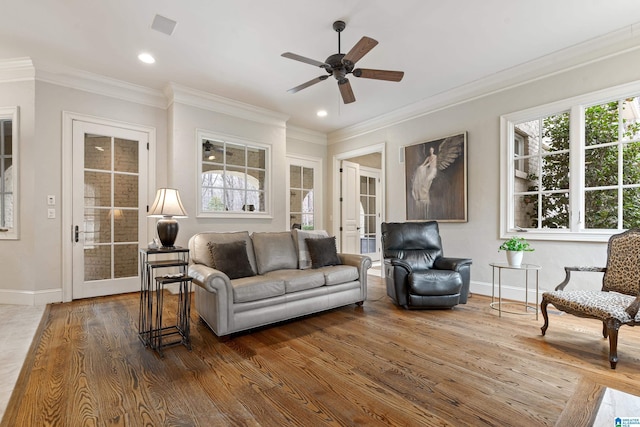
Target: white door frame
{"type": "Point", "coordinates": [67, 185]}
{"type": "Point", "coordinates": [337, 158]}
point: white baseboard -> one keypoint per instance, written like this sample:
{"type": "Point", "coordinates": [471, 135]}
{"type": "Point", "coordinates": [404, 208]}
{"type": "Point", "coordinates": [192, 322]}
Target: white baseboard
{"type": "Point", "coordinates": [509, 292]}
{"type": "Point", "coordinates": [17, 297]}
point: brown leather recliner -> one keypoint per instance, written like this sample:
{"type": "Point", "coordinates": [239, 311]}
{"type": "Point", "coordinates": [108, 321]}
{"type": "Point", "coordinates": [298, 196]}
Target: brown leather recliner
{"type": "Point", "coordinates": [417, 275]}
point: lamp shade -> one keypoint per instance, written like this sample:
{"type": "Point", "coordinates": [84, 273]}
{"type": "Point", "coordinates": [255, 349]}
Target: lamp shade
{"type": "Point", "coordinates": [167, 204]}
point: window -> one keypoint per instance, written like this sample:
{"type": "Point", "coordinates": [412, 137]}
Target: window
{"type": "Point", "coordinates": [304, 198]}
{"type": "Point", "coordinates": [573, 169]}
{"type": "Point", "coordinates": [8, 173]}
{"type": "Point", "coordinates": [301, 197]}
{"type": "Point", "coordinates": [233, 177]}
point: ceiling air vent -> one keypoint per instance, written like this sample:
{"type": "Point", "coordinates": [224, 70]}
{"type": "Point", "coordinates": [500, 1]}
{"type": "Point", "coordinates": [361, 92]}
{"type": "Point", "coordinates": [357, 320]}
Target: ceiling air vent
{"type": "Point", "coordinates": [164, 25]}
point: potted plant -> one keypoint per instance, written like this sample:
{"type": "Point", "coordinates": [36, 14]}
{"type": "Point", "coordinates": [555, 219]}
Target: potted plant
{"type": "Point", "coordinates": [515, 248]}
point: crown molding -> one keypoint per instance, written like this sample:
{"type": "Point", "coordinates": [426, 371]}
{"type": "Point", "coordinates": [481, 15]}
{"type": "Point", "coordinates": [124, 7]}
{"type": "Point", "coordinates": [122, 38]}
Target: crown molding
{"type": "Point", "coordinates": [100, 85]}
{"type": "Point", "coordinates": [306, 135]}
{"type": "Point", "coordinates": [207, 101]}
{"type": "Point", "coordinates": [595, 50]}
{"type": "Point", "coordinates": [16, 70]}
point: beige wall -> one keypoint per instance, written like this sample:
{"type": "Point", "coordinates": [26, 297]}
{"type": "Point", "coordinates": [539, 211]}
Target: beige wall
{"type": "Point", "coordinates": [33, 265]}
{"type": "Point", "coordinates": [479, 237]}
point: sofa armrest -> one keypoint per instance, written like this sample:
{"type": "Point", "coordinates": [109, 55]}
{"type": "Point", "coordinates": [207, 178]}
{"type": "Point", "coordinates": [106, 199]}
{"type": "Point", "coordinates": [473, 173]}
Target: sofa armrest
{"type": "Point", "coordinates": [568, 270]}
{"type": "Point", "coordinates": [361, 262]}
{"type": "Point", "coordinates": [213, 281]}
{"type": "Point", "coordinates": [444, 263]}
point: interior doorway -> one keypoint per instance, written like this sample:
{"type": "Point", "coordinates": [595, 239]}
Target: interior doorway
{"type": "Point", "coordinates": [359, 200]}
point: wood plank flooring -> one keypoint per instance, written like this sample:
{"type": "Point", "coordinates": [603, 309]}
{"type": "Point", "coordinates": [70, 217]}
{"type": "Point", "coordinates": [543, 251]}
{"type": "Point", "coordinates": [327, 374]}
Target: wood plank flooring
{"type": "Point", "coordinates": [370, 365]}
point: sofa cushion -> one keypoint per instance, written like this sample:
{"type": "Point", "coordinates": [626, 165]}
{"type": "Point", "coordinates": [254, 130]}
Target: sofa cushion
{"type": "Point", "coordinates": [323, 252]}
{"type": "Point", "coordinates": [255, 288]}
{"type": "Point", "coordinates": [231, 258]}
{"type": "Point", "coordinates": [299, 236]}
{"type": "Point", "coordinates": [298, 280]}
{"type": "Point", "coordinates": [338, 274]}
{"type": "Point", "coordinates": [274, 251]}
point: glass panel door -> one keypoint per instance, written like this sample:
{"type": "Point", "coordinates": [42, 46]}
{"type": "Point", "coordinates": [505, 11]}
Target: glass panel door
{"type": "Point", "coordinates": [369, 213]}
{"type": "Point", "coordinates": [112, 225]}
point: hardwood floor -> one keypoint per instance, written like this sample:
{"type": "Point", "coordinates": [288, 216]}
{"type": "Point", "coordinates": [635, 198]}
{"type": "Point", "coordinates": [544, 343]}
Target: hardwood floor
{"type": "Point", "coordinates": [370, 365]}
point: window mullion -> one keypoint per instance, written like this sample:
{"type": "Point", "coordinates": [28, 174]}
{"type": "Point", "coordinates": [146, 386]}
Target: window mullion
{"type": "Point", "coordinates": [576, 168]}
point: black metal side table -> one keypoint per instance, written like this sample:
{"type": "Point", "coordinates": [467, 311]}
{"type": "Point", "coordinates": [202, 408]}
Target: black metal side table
{"type": "Point", "coordinates": [150, 322]}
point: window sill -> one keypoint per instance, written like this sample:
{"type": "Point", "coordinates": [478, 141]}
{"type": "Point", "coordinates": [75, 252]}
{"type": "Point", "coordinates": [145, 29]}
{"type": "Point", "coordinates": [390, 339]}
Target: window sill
{"type": "Point", "coordinates": [562, 236]}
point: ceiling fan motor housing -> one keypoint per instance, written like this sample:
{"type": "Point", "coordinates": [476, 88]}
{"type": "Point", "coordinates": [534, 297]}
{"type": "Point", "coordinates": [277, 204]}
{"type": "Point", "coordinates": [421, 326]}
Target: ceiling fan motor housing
{"type": "Point", "coordinates": [337, 68]}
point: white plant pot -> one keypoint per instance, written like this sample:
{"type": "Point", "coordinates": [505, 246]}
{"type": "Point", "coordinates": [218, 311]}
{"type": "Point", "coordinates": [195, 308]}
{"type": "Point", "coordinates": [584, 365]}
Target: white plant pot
{"type": "Point", "coordinates": [514, 258]}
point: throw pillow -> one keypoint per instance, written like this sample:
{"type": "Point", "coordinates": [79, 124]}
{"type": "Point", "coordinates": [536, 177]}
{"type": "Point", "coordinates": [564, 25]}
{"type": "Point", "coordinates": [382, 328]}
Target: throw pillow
{"type": "Point", "coordinates": [632, 310]}
{"type": "Point", "coordinates": [323, 252]}
{"type": "Point", "coordinates": [299, 239]}
{"type": "Point", "coordinates": [231, 258]}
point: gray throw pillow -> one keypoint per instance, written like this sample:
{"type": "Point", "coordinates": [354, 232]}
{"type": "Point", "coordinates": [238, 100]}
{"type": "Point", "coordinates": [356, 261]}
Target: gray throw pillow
{"type": "Point", "coordinates": [231, 258]}
{"type": "Point", "coordinates": [299, 239]}
{"type": "Point", "coordinates": [323, 252]}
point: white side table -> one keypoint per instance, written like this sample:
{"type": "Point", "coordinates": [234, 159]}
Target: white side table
{"type": "Point", "coordinates": [499, 266]}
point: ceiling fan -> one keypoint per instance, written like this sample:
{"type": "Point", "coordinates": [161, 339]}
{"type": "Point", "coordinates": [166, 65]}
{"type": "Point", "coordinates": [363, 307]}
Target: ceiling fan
{"type": "Point", "coordinates": [339, 65]}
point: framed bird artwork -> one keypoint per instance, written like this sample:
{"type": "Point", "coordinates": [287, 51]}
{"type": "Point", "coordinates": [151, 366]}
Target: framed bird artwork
{"type": "Point", "coordinates": [436, 179]}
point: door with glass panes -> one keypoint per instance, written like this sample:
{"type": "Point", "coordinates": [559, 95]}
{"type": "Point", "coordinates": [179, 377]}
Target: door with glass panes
{"type": "Point", "coordinates": [109, 208]}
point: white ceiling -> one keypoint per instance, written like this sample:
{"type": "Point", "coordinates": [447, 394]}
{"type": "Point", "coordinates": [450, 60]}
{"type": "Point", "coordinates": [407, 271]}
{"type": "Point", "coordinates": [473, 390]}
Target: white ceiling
{"type": "Point", "coordinates": [232, 48]}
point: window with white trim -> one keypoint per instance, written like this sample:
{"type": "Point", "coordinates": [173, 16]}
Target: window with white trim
{"type": "Point", "coordinates": [8, 173]}
{"type": "Point", "coordinates": [572, 168]}
{"type": "Point", "coordinates": [234, 176]}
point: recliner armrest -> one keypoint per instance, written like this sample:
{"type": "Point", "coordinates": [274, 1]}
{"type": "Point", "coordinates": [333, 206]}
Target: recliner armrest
{"type": "Point", "coordinates": [397, 262]}
{"type": "Point", "coordinates": [454, 264]}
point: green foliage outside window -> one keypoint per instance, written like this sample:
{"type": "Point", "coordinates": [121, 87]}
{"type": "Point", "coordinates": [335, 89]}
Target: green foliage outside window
{"type": "Point", "coordinates": [602, 126]}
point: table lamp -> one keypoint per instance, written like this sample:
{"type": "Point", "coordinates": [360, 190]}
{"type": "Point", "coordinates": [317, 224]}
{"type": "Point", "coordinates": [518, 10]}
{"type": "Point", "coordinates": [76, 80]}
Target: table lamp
{"type": "Point", "coordinates": [167, 206]}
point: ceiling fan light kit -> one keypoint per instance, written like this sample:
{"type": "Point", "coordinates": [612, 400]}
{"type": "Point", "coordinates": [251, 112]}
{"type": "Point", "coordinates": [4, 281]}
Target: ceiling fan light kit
{"type": "Point", "coordinates": [340, 65]}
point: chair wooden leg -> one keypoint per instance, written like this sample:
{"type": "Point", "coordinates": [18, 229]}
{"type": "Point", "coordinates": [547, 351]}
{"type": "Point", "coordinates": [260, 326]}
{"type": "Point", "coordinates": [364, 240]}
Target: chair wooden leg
{"type": "Point", "coordinates": [543, 308]}
{"type": "Point", "coordinates": [605, 332]}
{"type": "Point", "coordinates": [612, 327]}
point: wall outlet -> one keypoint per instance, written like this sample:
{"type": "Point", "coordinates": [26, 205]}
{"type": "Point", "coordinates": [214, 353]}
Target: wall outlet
{"type": "Point", "coordinates": [51, 213]}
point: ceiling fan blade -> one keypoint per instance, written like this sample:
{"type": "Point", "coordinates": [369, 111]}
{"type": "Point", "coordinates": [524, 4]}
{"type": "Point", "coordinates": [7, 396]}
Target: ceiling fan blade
{"type": "Point", "coordinates": [345, 90]}
{"type": "Point", "coordinates": [359, 50]}
{"type": "Point", "coordinates": [305, 60]}
{"type": "Point", "coordinates": [392, 76]}
{"type": "Point", "coordinates": [307, 84]}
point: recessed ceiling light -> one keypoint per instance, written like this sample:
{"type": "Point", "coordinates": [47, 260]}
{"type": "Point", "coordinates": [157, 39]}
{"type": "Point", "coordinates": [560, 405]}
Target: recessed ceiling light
{"type": "Point", "coordinates": [322, 113]}
{"type": "Point", "coordinates": [146, 58]}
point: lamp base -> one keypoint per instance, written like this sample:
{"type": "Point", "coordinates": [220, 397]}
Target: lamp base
{"type": "Point", "coordinates": [167, 232]}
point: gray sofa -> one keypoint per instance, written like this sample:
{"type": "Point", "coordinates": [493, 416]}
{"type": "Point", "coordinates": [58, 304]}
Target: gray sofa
{"type": "Point", "coordinates": [285, 285]}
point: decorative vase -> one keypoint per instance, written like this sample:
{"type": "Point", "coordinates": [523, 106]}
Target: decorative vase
{"type": "Point", "coordinates": [514, 258]}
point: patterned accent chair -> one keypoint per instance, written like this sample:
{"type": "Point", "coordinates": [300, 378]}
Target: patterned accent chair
{"type": "Point", "coordinates": [617, 303]}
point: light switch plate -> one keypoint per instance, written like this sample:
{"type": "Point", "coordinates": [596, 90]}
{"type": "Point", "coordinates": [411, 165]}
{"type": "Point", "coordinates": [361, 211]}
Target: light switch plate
{"type": "Point", "coordinates": [51, 200]}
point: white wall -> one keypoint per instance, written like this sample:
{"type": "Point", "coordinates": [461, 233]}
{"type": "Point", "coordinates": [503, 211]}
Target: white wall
{"type": "Point", "coordinates": [17, 274]}
{"type": "Point", "coordinates": [32, 266]}
{"type": "Point", "coordinates": [184, 153]}
{"type": "Point", "coordinates": [479, 237]}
